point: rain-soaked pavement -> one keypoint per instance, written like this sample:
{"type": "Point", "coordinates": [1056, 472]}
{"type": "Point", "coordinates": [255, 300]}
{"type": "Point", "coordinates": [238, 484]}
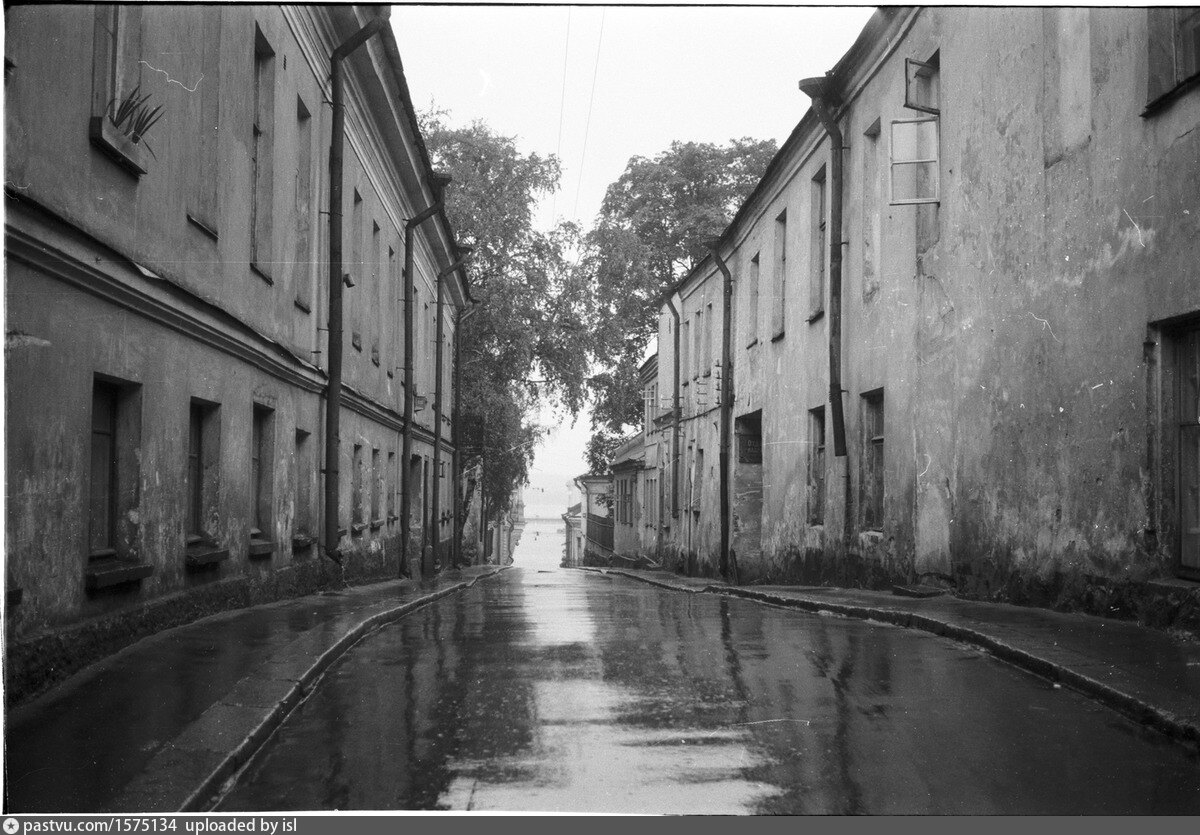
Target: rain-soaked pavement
{"type": "Point", "coordinates": [573, 691]}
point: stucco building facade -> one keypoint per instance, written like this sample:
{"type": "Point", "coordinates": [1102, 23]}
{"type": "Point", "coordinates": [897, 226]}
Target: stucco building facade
{"type": "Point", "coordinates": [1019, 317]}
{"type": "Point", "coordinates": [166, 335]}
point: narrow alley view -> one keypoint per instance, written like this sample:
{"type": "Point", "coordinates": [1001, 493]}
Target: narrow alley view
{"type": "Point", "coordinates": [703, 408]}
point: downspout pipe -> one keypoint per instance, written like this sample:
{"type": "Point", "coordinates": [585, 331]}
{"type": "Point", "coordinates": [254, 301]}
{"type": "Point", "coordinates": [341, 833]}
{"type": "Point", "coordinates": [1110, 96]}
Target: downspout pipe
{"type": "Point", "coordinates": [728, 563]}
{"type": "Point", "coordinates": [675, 408]}
{"type": "Point", "coordinates": [819, 90]}
{"type": "Point", "coordinates": [410, 226]}
{"type": "Point", "coordinates": [464, 252]}
{"type": "Point", "coordinates": [333, 398]}
{"type": "Point", "coordinates": [456, 464]}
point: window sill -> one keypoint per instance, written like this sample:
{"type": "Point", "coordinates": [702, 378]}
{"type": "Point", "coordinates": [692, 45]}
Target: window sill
{"type": "Point", "coordinates": [203, 553]}
{"type": "Point", "coordinates": [260, 549]}
{"type": "Point", "coordinates": [393, 518]}
{"type": "Point", "coordinates": [261, 272]}
{"type": "Point", "coordinates": [357, 529]}
{"type": "Point", "coordinates": [1168, 98]}
{"type": "Point", "coordinates": [113, 571]}
{"type": "Point", "coordinates": [815, 315]}
{"type": "Point", "coordinates": [302, 542]}
{"type": "Point", "coordinates": [301, 304]}
{"type": "Point", "coordinates": [117, 146]}
{"type": "Point", "coordinates": [376, 524]}
{"type": "Point", "coordinates": [751, 343]}
{"type": "Point", "coordinates": [202, 226]}
{"type": "Point", "coordinates": [777, 336]}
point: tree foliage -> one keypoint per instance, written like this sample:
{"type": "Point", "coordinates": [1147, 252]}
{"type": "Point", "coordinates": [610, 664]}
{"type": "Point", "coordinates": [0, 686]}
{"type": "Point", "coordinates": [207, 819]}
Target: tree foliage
{"type": "Point", "coordinates": [529, 336]}
{"type": "Point", "coordinates": [650, 232]}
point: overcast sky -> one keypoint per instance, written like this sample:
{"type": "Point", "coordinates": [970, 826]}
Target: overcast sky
{"type": "Point", "coordinates": [597, 85]}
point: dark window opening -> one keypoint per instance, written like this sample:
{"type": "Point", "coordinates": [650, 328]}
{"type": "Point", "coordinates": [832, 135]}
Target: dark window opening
{"type": "Point", "coordinates": [873, 460]}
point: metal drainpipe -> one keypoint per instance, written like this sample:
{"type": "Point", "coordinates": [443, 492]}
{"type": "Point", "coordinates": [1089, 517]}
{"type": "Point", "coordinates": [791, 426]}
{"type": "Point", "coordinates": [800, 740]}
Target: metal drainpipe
{"type": "Point", "coordinates": [818, 90]}
{"type": "Point", "coordinates": [406, 449]}
{"type": "Point", "coordinates": [457, 464]}
{"type": "Point", "coordinates": [333, 399]}
{"type": "Point", "coordinates": [675, 422]}
{"type": "Point", "coordinates": [437, 404]}
{"type": "Point", "coordinates": [728, 561]}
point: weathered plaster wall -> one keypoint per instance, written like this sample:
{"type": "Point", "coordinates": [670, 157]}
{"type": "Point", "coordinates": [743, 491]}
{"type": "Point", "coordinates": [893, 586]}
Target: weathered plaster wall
{"type": "Point", "coordinates": [1020, 330]}
{"type": "Point", "coordinates": [192, 322]}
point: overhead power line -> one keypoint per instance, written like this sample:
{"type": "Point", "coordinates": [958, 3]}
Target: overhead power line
{"type": "Point", "coordinates": [588, 125]}
{"type": "Point", "coordinates": [562, 105]}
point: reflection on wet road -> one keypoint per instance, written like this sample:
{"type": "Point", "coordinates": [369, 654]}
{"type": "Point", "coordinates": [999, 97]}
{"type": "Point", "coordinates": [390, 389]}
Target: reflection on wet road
{"type": "Point", "coordinates": [574, 691]}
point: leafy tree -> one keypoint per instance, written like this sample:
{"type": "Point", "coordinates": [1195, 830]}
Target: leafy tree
{"type": "Point", "coordinates": [529, 337]}
{"type": "Point", "coordinates": [650, 232]}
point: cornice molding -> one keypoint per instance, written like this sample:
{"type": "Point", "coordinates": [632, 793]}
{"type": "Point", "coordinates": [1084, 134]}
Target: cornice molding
{"type": "Point", "coordinates": [219, 330]}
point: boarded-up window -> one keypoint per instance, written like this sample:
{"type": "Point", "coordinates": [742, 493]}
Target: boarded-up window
{"type": "Point", "coordinates": [873, 482]}
{"type": "Point", "coordinates": [779, 303]}
{"type": "Point", "coordinates": [752, 303]}
{"type": "Point", "coordinates": [262, 184]}
{"type": "Point", "coordinates": [816, 466]}
{"type": "Point", "coordinates": [262, 448]}
{"type": "Point", "coordinates": [302, 258]}
{"type": "Point", "coordinates": [816, 282]}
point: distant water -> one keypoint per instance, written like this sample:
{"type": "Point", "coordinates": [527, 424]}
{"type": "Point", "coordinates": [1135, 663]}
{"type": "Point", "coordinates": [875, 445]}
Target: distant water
{"type": "Point", "coordinates": [541, 545]}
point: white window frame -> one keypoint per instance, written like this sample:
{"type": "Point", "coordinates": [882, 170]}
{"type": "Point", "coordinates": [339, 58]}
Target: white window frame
{"type": "Point", "coordinates": [936, 160]}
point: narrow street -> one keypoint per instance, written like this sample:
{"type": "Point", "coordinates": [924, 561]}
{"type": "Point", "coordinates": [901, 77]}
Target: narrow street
{"type": "Point", "coordinates": [547, 689]}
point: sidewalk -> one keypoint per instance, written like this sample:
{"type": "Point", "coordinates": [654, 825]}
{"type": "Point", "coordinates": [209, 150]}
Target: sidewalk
{"type": "Point", "coordinates": [1146, 674]}
{"type": "Point", "coordinates": [159, 726]}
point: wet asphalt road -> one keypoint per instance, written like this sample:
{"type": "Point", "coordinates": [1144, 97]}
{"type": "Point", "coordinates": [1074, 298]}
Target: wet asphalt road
{"type": "Point", "coordinates": [572, 691]}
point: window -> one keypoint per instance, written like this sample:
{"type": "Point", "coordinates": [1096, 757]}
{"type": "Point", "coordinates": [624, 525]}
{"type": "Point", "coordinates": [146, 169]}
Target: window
{"type": "Point", "coordinates": [706, 360]}
{"type": "Point", "coordinates": [356, 235]}
{"type": "Point", "coordinates": [376, 289]}
{"type": "Point", "coordinates": [872, 487]}
{"type": "Point", "coordinates": [262, 161]}
{"type": "Point", "coordinates": [816, 466]}
{"type": "Point", "coordinates": [391, 493]}
{"type": "Point", "coordinates": [302, 260]}
{"type": "Point", "coordinates": [376, 490]}
{"type": "Point", "coordinates": [914, 161]}
{"type": "Point", "coordinates": [752, 305]}
{"type": "Point", "coordinates": [1174, 53]}
{"type": "Point", "coordinates": [816, 283]}
{"type": "Point", "coordinates": [304, 480]}
{"type": "Point", "coordinates": [356, 497]}
{"type": "Point", "coordinates": [922, 85]}
{"type": "Point", "coordinates": [779, 306]}
{"type": "Point", "coordinates": [204, 30]}
{"type": "Point", "coordinates": [699, 347]}
{"type": "Point", "coordinates": [102, 500]}
{"type": "Point", "coordinates": [113, 472]}
{"type": "Point", "coordinates": [685, 340]}
{"type": "Point", "coordinates": [872, 203]}
{"type": "Point", "coordinates": [651, 406]}
{"type": "Point", "coordinates": [262, 447]}
{"type": "Point", "coordinates": [203, 465]}
{"type": "Point", "coordinates": [1188, 415]}
{"type": "Point", "coordinates": [116, 72]}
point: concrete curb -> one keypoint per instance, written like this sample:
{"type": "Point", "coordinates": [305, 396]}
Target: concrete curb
{"type": "Point", "coordinates": [206, 795]}
{"type": "Point", "coordinates": [1175, 727]}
